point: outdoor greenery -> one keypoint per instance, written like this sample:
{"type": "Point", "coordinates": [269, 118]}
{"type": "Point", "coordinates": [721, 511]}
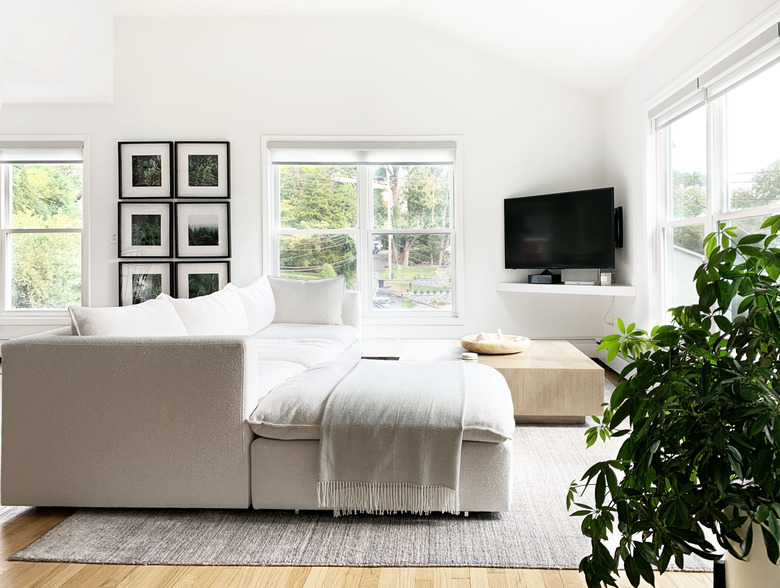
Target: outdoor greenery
{"type": "Point", "coordinates": [690, 201]}
{"type": "Point", "coordinates": [325, 198]}
{"type": "Point", "coordinates": [699, 412]}
{"type": "Point", "coordinates": [45, 267]}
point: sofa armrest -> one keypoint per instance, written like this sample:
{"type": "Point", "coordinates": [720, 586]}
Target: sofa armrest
{"type": "Point", "coordinates": [127, 422]}
{"type": "Point", "coordinates": [350, 309]}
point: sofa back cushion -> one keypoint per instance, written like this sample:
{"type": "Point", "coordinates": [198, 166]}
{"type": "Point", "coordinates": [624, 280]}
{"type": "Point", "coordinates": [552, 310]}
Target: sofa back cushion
{"type": "Point", "coordinates": [153, 318]}
{"type": "Point", "coordinates": [308, 301]}
{"type": "Point", "coordinates": [258, 299]}
{"type": "Point", "coordinates": [220, 313]}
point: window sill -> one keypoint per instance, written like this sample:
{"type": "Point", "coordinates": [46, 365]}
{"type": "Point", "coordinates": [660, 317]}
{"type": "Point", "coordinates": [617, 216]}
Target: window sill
{"type": "Point", "coordinates": [401, 320]}
{"type": "Point", "coordinates": [23, 319]}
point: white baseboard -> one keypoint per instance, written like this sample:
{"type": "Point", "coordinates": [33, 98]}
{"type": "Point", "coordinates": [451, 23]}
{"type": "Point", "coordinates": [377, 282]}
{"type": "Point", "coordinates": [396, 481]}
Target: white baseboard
{"type": "Point", "coordinates": [618, 364]}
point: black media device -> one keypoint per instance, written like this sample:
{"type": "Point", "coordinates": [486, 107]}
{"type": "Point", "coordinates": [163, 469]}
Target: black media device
{"type": "Point", "coordinates": [566, 230]}
{"type": "Point", "coordinates": [546, 277]}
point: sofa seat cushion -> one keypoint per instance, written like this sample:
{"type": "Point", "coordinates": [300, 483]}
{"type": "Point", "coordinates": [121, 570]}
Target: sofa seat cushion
{"type": "Point", "coordinates": [344, 334]}
{"type": "Point", "coordinates": [293, 410]}
{"type": "Point", "coordinates": [305, 352]}
{"type": "Point", "coordinates": [272, 373]}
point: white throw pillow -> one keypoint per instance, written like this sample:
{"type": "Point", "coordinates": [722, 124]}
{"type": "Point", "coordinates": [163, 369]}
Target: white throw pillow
{"type": "Point", "coordinates": [258, 299]}
{"type": "Point", "coordinates": [153, 318]}
{"type": "Point", "coordinates": [308, 301]}
{"type": "Point", "coordinates": [220, 313]}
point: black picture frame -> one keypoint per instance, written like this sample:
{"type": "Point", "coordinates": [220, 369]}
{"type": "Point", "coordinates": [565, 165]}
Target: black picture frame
{"type": "Point", "coordinates": [202, 169]}
{"type": "Point", "coordinates": [200, 277]}
{"type": "Point", "coordinates": [145, 169]}
{"type": "Point", "coordinates": [203, 229]}
{"type": "Point", "coordinates": [145, 229]}
{"type": "Point", "coordinates": [139, 282]}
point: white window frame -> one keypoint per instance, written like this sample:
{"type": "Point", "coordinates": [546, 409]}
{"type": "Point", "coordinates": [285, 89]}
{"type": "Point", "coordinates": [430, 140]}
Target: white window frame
{"type": "Point", "coordinates": [33, 316]}
{"type": "Point", "coordinates": [708, 91]}
{"type": "Point", "coordinates": [364, 230]}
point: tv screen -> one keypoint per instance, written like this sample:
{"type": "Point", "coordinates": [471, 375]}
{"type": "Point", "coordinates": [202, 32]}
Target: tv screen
{"type": "Point", "coordinates": [568, 230]}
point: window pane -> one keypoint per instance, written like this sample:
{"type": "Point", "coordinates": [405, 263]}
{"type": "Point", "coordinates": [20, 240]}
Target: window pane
{"type": "Point", "coordinates": [308, 257]}
{"type": "Point", "coordinates": [46, 196]}
{"type": "Point", "coordinates": [413, 196]}
{"type": "Point", "coordinates": [748, 225]}
{"type": "Point", "coordinates": [45, 270]}
{"type": "Point", "coordinates": [318, 196]}
{"type": "Point", "coordinates": [753, 145]}
{"type": "Point", "coordinates": [688, 164]}
{"type": "Point", "coordinates": [412, 272]}
{"type": "Point", "coordinates": [687, 254]}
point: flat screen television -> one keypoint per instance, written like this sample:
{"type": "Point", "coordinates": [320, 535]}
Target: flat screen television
{"type": "Point", "coordinates": [567, 230]}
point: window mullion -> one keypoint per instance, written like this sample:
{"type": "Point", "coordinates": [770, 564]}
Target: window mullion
{"type": "Point", "coordinates": [5, 269]}
{"type": "Point", "coordinates": [274, 220]}
{"type": "Point", "coordinates": [717, 172]}
{"type": "Point", "coordinates": [365, 190]}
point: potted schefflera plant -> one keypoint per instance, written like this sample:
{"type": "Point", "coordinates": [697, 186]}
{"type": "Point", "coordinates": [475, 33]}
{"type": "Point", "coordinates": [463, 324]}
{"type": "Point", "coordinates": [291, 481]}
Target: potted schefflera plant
{"type": "Point", "coordinates": [698, 413]}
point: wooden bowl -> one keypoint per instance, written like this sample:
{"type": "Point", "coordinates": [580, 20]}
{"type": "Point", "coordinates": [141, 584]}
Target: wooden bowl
{"type": "Point", "coordinates": [508, 344]}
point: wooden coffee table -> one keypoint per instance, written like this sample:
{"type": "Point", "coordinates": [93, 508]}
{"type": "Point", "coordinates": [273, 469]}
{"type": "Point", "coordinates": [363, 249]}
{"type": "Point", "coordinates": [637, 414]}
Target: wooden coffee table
{"type": "Point", "coordinates": [550, 382]}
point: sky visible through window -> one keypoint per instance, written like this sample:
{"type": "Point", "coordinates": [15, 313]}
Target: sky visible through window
{"type": "Point", "coordinates": [753, 124]}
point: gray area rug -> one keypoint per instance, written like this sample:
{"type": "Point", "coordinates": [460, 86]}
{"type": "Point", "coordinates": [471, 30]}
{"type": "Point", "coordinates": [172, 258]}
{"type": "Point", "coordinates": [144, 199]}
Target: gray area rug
{"type": "Point", "coordinates": [537, 533]}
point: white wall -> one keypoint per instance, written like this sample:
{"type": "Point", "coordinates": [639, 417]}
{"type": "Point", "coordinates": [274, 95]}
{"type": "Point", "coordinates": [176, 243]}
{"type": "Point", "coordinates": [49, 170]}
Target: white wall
{"type": "Point", "coordinates": [56, 52]}
{"type": "Point", "coordinates": [239, 78]}
{"type": "Point", "coordinates": [712, 31]}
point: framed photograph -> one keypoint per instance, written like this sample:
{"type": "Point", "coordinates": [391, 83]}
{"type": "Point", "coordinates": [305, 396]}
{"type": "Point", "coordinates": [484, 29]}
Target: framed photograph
{"type": "Point", "coordinates": [145, 229]}
{"type": "Point", "coordinates": [203, 169]}
{"type": "Point", "coordinates": [202, 229]}
{"type": "Point", "coordinates": [199, 278]}
{"type": "Point", "coordinates": [145, 169]}
{"type": "Point", "coordinates": [139, 282]}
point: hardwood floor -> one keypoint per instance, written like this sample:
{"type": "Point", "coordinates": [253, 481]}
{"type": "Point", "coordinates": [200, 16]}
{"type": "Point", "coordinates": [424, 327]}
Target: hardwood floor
{"type": "Point", "coordinates": [20, 526]}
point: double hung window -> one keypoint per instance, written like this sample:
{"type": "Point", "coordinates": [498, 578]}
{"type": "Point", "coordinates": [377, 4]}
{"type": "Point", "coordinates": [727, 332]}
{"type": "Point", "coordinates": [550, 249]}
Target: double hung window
{"type": "Point", "coordinates": [718, 159]}
{"type": "Point", "coordinates": [41, 225]}
{"type": "Point", "coordinates": [380, 213]}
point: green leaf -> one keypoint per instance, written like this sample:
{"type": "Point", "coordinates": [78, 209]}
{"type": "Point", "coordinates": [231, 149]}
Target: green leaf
{"type": "Point", "coordinates": [750, 239]}
{"type": "Point", "coordinates": [774, 525]}
{"type": "Point", "coordinates": [632, 571]}
{"type": "Point", "coordinates": [621, 325]}
{"type": "Point", "coordinates": [747, 542]}
{"type": "Point", "coordinates": [601, 489]}
{"type": "Point", "coordinates": [723, 323]}
{"type": "Point", "coordinates": [772, 548]}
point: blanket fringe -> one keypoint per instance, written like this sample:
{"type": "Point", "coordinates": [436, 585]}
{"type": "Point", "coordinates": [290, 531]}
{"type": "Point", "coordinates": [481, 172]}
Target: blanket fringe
{"type": "Point", "coordinates": [346, 498]}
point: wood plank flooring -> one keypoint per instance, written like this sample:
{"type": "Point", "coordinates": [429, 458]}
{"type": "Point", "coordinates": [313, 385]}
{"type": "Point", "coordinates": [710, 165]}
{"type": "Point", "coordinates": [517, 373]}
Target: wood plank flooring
{"type": "Point", "coordinates": [20, 526]}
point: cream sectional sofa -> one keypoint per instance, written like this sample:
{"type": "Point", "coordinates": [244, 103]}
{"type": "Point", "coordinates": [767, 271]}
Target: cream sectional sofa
{"type": "Point", "coordinates": [152, 413]}
{"type": "Point", "coordinates": [150, 405]}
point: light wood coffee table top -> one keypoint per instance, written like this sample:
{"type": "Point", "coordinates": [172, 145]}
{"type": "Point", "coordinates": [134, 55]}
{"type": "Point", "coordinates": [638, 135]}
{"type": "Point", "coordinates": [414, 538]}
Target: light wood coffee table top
{"type": "Point", "coordinates": [541, 354]}
{"type": "Point", "coordinates": [551, 381]}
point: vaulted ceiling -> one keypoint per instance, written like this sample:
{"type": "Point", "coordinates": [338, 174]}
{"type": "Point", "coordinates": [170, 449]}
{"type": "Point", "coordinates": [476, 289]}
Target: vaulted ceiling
{"type": "Point", "coordinates": [589, 44]}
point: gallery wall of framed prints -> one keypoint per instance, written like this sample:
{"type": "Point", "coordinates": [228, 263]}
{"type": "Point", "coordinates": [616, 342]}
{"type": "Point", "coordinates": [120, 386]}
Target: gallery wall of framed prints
{"type": "Point", "coordinates": [173, 205]}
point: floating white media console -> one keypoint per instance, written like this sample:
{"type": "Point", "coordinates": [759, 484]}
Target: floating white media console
{"type": "Point", "coordinates": [614, 290]}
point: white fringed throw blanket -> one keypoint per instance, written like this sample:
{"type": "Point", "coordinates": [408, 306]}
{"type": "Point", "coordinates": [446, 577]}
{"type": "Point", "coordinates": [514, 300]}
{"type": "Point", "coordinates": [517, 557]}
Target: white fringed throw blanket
{"type": "Point", "coordinates": [391, 439]}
